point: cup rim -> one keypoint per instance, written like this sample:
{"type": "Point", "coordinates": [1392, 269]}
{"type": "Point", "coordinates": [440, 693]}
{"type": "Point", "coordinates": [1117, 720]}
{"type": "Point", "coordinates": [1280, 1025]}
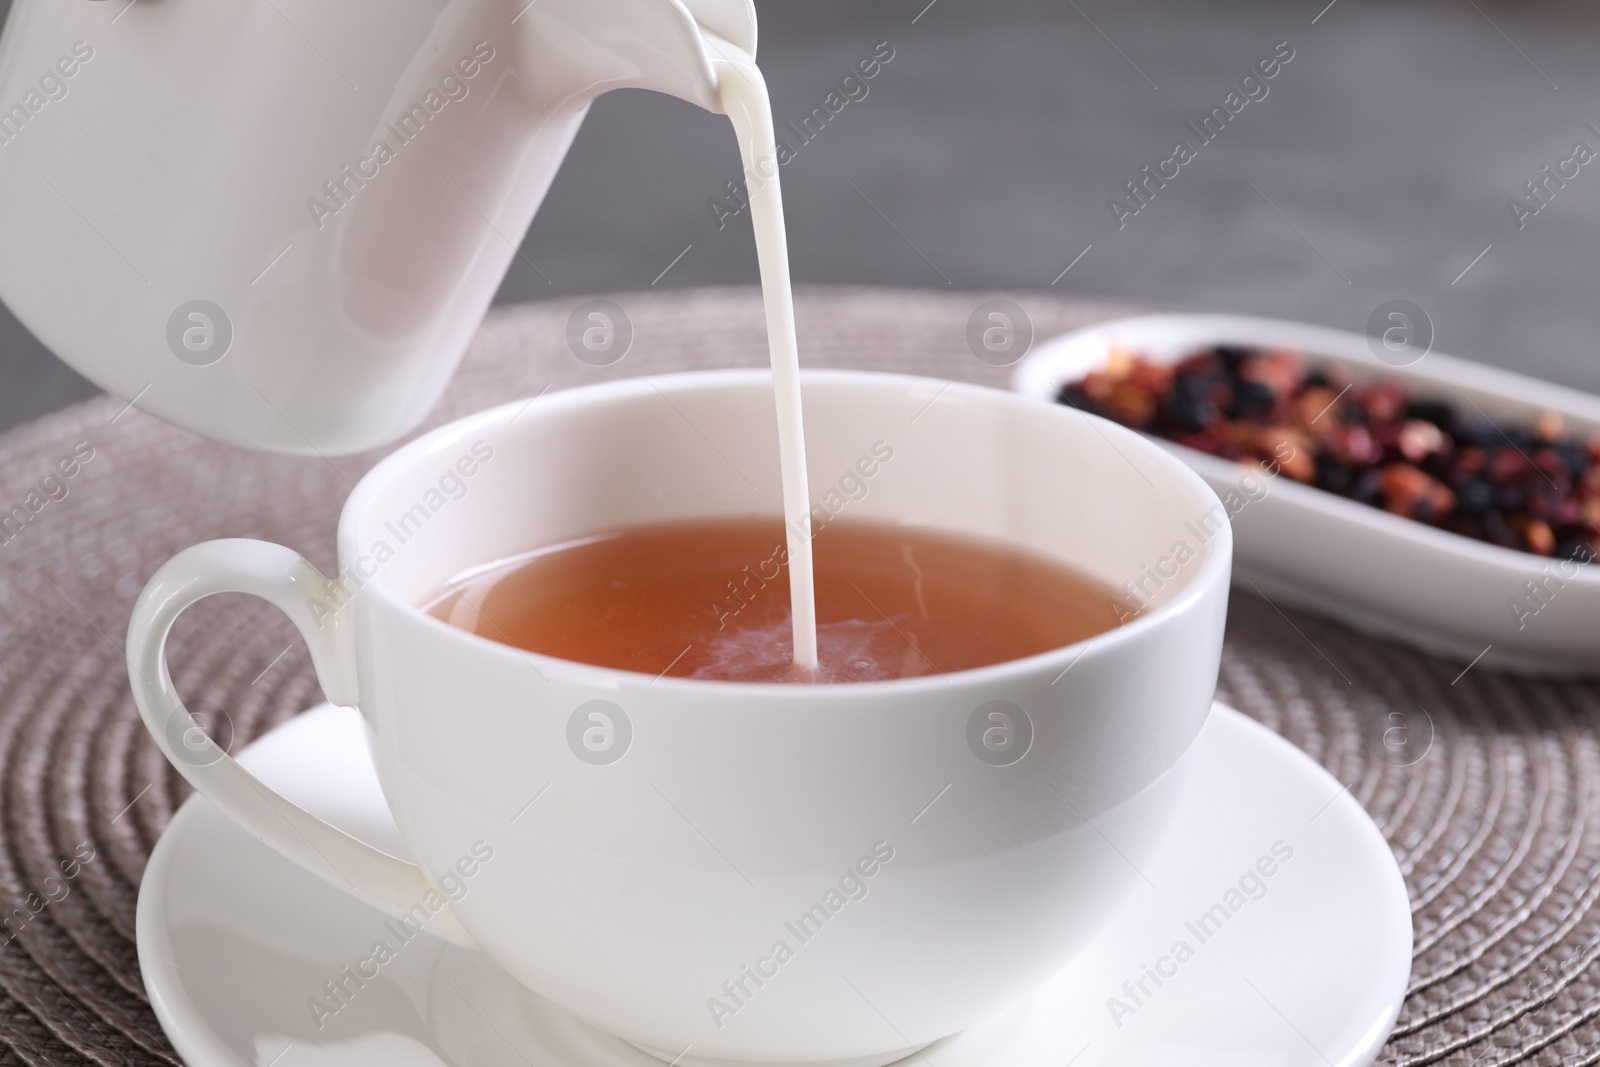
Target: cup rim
{"type": "Point", "coordinates": [1215, 567]}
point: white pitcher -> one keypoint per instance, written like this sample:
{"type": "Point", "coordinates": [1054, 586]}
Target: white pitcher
{"type": "Point", "coordinates": [278, 222]}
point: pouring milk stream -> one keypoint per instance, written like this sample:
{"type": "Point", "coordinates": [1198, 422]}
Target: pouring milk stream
{"type": "Point", "coordinates": [744, 97]}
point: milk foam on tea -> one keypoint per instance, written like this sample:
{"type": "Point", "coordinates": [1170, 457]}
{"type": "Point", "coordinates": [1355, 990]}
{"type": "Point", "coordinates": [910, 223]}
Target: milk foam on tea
{"type": "Point", "coordinates": [760, 600]}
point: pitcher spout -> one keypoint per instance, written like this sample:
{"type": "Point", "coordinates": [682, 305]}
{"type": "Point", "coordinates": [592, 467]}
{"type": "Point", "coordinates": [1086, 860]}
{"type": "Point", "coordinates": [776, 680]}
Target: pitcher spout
{"type": "Point", "coordinates": [589, 47]}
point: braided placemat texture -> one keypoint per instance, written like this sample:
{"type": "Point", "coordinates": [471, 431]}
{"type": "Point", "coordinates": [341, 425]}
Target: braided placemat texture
{"type": "Point", "coordinates": [1494, 826]}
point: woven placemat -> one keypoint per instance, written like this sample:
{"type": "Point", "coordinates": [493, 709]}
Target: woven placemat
{"type": "Point", "coordinates": [1494, 827]}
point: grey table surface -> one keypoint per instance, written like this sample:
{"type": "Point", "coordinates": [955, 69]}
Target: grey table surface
{"type": "Point", "coordinates": [987, 153]}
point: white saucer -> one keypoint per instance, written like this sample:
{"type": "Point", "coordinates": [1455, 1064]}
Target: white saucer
{"type": "Point", "coordinates": [235, 941]}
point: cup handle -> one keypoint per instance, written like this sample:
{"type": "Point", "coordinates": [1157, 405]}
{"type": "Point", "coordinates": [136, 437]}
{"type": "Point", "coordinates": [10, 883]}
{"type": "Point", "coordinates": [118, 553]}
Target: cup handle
{"type": "Point", "coordinates": [285, 579]}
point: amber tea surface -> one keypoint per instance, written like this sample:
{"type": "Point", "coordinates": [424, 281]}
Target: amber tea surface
{"type": "Point", "coordinates": [710, 599]}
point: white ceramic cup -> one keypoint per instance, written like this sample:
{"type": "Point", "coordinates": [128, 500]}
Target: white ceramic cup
{"type": "Point", "coordinates": [637, 849]}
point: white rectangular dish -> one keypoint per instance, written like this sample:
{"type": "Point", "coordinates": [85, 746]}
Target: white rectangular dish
{"type": "Point", "coordinates": [1379, 572]}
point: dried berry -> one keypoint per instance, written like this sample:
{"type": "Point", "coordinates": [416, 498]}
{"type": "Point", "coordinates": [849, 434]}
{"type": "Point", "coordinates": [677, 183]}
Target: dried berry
{"type": "Point", "coordinates": [1231, 357]}
{"type": "Point", "coordinates": [1475, 497]}
{"type": "Point", "coordinates": [1132, 405]}
{"type": "Point", "coordinates": [1420, 439]}
{"type": "Point", "coordinates": [1192, 405]}
{"type": "Point", "coordinates": [1537, 533]}
{"type": "Point", "coordinates": [1477, 431]}
{"type": "Point", "coordinates": [1531, 487]}
{"type": "Point", "coordinates": [1508, 464]}
{"type": "Point", "coordinates": [1119, 364]}
{"type": "Point", "coordinates": [1334, 476]}
{"type": "Point", "coordinates": [1511, 497]}
{"type": "Point", "coordinates": [1574, 456]}
{"type": "Point", "coordinates": [1550, 463]}
{"type": "Point", "coordinates": [1314, 407]}
{"type": "Point", "coordinates": [1369, 487]}
{"type": "Point", "coordinates": [1281, 371]}
{"type": "Point", "coordinates": [1471, 460]}
{"type": "Point", "coordinates": [1384, 401]}
{"type": "Point", "coordinates": [1355, 445]}
{"type": "Point", "coordinates": [1410, 492]}
{"type": "Point", "coordinates": [1252, 400]}
{"type": "Point", "coordinates": [1435, 411]}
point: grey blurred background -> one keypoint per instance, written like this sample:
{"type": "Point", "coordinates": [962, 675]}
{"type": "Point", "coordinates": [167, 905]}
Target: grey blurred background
{"type": "Point", "coordinates": [987, 151]}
